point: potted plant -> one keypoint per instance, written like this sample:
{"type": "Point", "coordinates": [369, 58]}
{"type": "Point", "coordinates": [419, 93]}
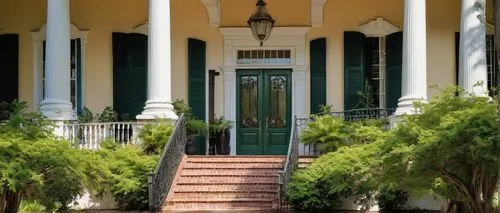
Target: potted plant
{"type": "Point", "coordinates": [220, 136]}
{"type": "Point", "coordinates": [194, 127]}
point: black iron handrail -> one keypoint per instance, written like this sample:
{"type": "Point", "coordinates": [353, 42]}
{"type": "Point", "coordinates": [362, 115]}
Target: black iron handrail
{"type": "Point", "coordinates": [160, 181]}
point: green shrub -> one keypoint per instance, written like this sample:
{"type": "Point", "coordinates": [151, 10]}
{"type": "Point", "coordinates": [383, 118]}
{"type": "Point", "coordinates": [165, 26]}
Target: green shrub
{"type": "Point", "coordinates": [390, 198]}
{"type": "Point", "coordinates": [333, 176]}
{"type": "Point", "coordinates": [154, 137]}
{"type": "Point", "coordinates": [335, 132]}
{"type": "Point", "coordinates": [36, 165]}
{"type": "Point", "coordinates": [129, 166]}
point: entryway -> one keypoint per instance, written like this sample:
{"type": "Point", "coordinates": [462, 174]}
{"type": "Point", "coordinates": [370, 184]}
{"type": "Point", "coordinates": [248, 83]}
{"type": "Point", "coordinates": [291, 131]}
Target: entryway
{"type": "Point", "coordinates": [263, 111]}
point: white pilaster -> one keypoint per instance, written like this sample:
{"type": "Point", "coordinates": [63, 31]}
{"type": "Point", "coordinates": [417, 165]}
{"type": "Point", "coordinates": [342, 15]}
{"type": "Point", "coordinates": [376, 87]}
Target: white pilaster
{"type": "Point", "coordinates": [472, 55]}
{"type": "Point", "coordinates": [57, 104]}
{"type": "Point", "coordinates": [159, 100]}
{"type": "Point", "coordinates": [414, 76]}
{"type": "Point", "coordinates": [299, 92]}
{"type": "Point", "coordinates": [230, 103]}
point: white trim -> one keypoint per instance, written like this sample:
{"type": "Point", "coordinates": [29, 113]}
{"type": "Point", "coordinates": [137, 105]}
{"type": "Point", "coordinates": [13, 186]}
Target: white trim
{"type": "Point", "coordinates": [378, 28]}
{"type": "Point", "coordinates": [293, 38]}
{"type": "Point", "coordinates": [317, 8]}
{"type": "Point", "coordinates": [213, 9]}
{"type": "Point", "coordinates": [38, 38]}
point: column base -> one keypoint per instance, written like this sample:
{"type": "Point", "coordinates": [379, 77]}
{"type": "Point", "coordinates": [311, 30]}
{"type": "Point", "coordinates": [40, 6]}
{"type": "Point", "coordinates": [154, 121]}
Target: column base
{"type": "Point", "coordinates": [57, 110]}
{"type": "Point", "coordinates": [406, 106]}
{"type": "Point", "coordinates": [157, 110]}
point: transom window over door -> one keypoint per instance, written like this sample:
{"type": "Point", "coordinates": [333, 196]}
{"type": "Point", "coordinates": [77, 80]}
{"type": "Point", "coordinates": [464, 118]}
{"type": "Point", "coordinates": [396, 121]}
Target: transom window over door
{"type": "Point", "coordinates": [256, 57]}
{"type": "Point", "coordinates": [75, 75]}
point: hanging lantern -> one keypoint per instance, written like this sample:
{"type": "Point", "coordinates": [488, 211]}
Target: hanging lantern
{"type": "Point", "coordinates": [261, 22]}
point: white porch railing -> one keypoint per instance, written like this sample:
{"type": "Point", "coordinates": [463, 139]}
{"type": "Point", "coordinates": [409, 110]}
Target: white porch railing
{"type": "Point", "coordinates": [90, 135]}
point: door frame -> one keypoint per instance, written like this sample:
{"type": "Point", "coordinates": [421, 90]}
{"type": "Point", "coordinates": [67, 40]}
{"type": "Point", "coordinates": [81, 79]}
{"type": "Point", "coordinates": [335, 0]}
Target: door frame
{"type": "Point", "coordinates": [241, 38]}
{"type": "Point", "coordinates": [263, 96]}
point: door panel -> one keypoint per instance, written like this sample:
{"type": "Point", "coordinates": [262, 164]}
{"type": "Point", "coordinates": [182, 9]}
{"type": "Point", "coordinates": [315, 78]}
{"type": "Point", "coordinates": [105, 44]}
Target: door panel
{"type": "Point", "coordinates": [277, 112]}
{"type": "Point", "coordinates": [250, 113]}
{"type": "Point", "coordinates": [263, 108]}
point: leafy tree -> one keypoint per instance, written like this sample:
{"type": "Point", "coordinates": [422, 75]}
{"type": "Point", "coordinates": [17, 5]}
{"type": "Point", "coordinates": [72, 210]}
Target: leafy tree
{"type": "Point", "coordinates": [450, 148]}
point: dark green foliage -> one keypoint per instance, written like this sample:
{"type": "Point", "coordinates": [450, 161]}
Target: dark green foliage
{"type": "Point", "coordinates": [154, 137]}
{"type": "Point", "coordinates": [390, 198]}
{"type": "Point", "coordinates": [219, 125]}
{"type": "Point", "coordinates": [36, 165]}
{"type": "Point", "coordinates": [129, 166]}
{"type": "Point", "coordinates": [194, 126]}
{"type": "Point", "coordinates": [334, 176]}
{"type": "Point", "coordinates": [449, 148]}
{"type": "Point", "coordinates": [107, 115]}
{"type": "Point", "coordinates": [335, 132]}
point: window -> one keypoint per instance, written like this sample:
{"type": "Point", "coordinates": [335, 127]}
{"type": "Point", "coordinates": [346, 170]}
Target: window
{"type": "Point", "coordinates": [372, 70]}
{"type": "Point", "coordinates": [375, 75]}
{"type": "Point", "coordinates": [251, 57]}
{"type": "Point", "coordinates": [491, 63]}
{"type": "Point", "coordinates": [75, 74]}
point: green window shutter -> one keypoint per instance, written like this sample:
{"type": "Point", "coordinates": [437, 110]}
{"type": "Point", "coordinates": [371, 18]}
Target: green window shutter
{"type": "Point", "coordinates": [394, 68]}
{"type": "Point", "coordinates": [318, 74]}
{"type": "Point", "coordinates": [354, 73]}
{"type": "Point", "coordinates": [137, 64]}
{"type": "Point", "coordinates": [196, 77]}
{"type": "Point", "coordinates": [197, 86]}
{"type": "Point", "coordinates": [120, 76]}
{"type": "Point", "coordinates": [9, 59]}
{"type": "Point", "coordinates": [129, 74]}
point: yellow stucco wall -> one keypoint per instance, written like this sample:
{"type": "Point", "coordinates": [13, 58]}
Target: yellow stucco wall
{"type": "Point", "coordinates": [190, 19]}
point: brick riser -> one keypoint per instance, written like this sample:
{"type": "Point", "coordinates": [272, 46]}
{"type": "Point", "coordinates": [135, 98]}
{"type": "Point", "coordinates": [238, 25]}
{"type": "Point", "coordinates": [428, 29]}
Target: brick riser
{"type": "Point", "coordinates": [226, 183]}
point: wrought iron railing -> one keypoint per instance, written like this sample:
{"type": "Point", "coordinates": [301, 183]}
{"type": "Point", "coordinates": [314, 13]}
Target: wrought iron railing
{"type": "Point", "coordinates": [364, 113]}
{"type": "Point", "coordinates": [290, 161]}
{"type": "Point", "coordinates": [160, 181]}
{"type": "Point", "coordinates": [90, 135]}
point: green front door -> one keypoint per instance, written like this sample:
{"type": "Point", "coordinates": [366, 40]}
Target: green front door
{"type": "Point", "coordinates": [263, 112]}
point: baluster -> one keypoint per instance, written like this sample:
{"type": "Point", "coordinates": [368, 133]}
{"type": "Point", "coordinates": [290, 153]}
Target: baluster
{"type": "Point", "coordinates": [73, 135]}
{"type": "Point", "coordinates": [120, 130]}
{"type": "Point", "coordinates": [95, 136]}
{"type": "Point", "coordinates": [112, 132]}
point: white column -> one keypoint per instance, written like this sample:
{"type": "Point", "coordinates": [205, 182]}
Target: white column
{"type": "Point", "coordinates": [472, 55]}
{"type": "Point", "coordinates": [159, 100]}
{"type": "Point", "coordinates": [57, 103]}
{"type": "Point", "coordinates": [230, 104]}
{"type": "Point", "coordinates": [414, 76]}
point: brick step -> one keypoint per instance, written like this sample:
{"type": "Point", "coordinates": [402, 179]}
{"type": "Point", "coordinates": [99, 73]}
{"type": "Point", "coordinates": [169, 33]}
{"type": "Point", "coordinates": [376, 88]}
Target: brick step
{"type": "Point", "coordinates": [228, 179]}
{"type": "Point", "coordinates": [242, 204]}
{"type": "Point", "coordinates": [232, 171]}
{"type": "Point", "coordinates": [233, 165]}
{"type": "Point", "coordinates": [233, 159]}
{"type": "Point", "coordinates": [225, 187]}
{"type": "Point", "coordinates": [270, 195]}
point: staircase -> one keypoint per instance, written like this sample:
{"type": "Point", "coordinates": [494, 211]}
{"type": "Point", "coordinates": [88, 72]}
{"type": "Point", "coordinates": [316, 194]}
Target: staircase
{"type": "Point", "coordinates": [225, 183]}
